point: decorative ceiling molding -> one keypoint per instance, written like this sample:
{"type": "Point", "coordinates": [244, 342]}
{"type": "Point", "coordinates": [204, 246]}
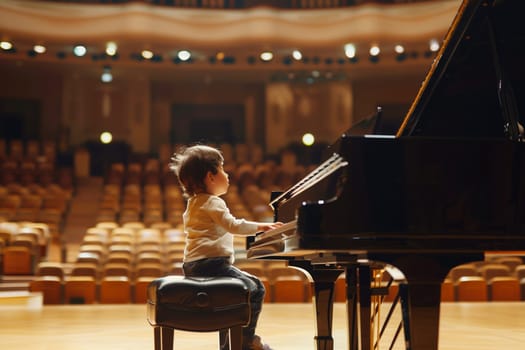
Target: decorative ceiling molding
{"type": "Point", "coordinates": [202, 27]}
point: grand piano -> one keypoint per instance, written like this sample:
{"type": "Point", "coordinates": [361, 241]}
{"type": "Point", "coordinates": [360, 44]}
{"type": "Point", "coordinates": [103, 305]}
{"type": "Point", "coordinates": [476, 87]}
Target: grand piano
{"type": "Point", "coordinates": [444, 189]}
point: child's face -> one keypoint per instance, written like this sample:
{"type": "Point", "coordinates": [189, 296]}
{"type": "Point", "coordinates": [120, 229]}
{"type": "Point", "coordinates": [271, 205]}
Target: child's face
{"type": "Point", "coordinates": [217, 184]}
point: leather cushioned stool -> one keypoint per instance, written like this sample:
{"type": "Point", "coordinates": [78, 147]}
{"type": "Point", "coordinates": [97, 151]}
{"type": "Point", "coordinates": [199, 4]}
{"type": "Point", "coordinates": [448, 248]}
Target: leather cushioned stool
{"type": "Point", "coordinates": [198, 304]}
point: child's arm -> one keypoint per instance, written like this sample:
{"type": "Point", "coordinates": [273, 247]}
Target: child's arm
{"type": "Point", "coordinates": [265, 226]}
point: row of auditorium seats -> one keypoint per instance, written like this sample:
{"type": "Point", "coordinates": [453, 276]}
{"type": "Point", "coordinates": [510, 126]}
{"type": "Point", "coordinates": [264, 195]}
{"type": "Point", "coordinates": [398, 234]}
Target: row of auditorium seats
{"type": "Point", "coordinates": [35, 203]}
{"type": "Point", "coordinates": [31, 150]}
{"type": "Point", "coordinates": [152, 203]}
{"type": "Point", "coordinates": [22, 246]}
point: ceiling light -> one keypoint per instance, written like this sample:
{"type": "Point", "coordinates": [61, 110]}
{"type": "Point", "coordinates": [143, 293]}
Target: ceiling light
{"type": "Point", "coordinates": [374, 50]}
{"type": "Point", "coordinates": [266, 56]}
{"type": "Point", "coordinates": [79, 50]}
{"type": "Point", "coordinates": [147, 54]}
{"type": "Point", "coordinates": [39, 48]}
{"type": "Point", "coordinates": [111, 48]}
{"type": "Point", "coordinates": [399, 49]}
{"type": "Point", "coordinates": [297, 55]}
{"type": "Point", "coordinates": [6, 45]}
{"type": "Point", "coordinates": [433, 45]}
{"type": "Point", "coordinates": [106, 76]}
{"type": "Point", "coordinates": [350, 50]}
{"type": "Point", "coordinates": [184, 55]}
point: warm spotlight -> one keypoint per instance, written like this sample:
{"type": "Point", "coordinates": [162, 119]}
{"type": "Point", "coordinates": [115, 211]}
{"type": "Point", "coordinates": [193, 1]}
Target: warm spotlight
{"type": "Point", "coordinates": [297, 55]}
{"type": "Point", "coordinates": [79, 50]}
{"type": "Point", "coordinates": [184, 55]}
{"type": "Point", "coordinates": [374, 50]}
{"type": "Point", "coordinates": [106, 137]}
{"type": "Point", "coordinates": [107, 76]}
{"type": "Point", "coordinates": [399, 49]}
{"type": "Point", "coordinates": [266, 56]}
{"type": "Point", "coordinates": [111, 48]}
{"type": "Point", "coordinates": [308, 139]}
{"type": "Point", "coordinates": [147, 54]}
{"type": "Point", "coordinates": [434, 45]}
{"type": "Point", "coordinates": [39, 48]}
{"type": "Point", "coordinates": [350, 50]}
{"type": "Point", "coordinates": [6, 45]}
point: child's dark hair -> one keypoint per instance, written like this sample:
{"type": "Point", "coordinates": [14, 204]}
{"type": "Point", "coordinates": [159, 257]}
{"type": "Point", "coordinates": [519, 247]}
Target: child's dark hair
{"type": "Point", "coordinates": [191, 165]}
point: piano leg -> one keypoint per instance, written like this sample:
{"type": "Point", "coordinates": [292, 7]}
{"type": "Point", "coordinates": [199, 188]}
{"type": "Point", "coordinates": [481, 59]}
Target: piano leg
{"type": "Point", "coordinates": [351, 305]}
{"type": "Point", "coordinates": [323, 284]}
{"type": "Point", "coordinates": [424, 274]}
{"type": "Point", "coordinates": [364, 306]}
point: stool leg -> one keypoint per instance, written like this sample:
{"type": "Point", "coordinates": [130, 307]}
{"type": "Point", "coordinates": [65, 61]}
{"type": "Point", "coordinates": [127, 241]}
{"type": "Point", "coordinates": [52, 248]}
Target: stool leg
{"type": "Point", "coordinates": [224, 339]}
{"type": "Point", "coordinates": [236, 338]}
{"type": "Point", "coordinates": [166, 338]}
{"type": "Point", "coordinates": [156, 333]}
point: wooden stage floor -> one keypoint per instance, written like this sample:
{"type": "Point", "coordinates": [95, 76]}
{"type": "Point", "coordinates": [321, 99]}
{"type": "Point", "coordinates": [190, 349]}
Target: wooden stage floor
{"type": "Point", "coordinates": [479, 326]}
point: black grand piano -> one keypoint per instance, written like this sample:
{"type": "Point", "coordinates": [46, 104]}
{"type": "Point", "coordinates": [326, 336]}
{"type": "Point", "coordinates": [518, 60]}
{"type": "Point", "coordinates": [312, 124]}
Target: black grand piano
{"type": "Point", "coordinates": [444, 189]}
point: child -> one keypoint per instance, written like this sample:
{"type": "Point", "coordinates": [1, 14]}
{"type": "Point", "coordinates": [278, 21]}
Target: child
{"type": "Point", "coordinates": [209, 228]}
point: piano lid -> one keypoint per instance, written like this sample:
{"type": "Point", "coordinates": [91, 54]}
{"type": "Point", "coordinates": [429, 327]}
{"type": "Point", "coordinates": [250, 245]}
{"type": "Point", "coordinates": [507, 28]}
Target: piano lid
{"type": "Point", "coordinates": [475, 87]}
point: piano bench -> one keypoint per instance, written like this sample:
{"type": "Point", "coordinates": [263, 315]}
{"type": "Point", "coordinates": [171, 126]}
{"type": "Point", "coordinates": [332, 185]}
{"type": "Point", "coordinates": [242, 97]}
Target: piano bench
{"type": "Point", "coordinates": [198, 304]}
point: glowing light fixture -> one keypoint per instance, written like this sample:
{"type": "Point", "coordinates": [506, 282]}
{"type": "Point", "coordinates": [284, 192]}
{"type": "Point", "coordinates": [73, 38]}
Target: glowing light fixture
{"type": "Point", "coordinates": [111, 48]}
{"type": "Point", "coordinates": [308, 139]}
{"type": "Point", "coordinates": [434, 45]}
{"type": "Point", "coordinates": [106, 137]}
{"type": "Point", "coordinates": [39, 48]}
{"type": "Point", "coordinates": [350, 50]}
{"type": "Point", "coordinates": [266, 56]}
{"type": "Point", "coordinates": [297, 55]}
{"type": "Point", "coordinates": [147, 54]}
{"type": "Point", "coordinates": [374, 50]}
{"type": "Point", "coordinates": [79, 50]}
{"type": "Point", "coordinates": [399, 49]}
{"type": "Point", "coordinates": [6, 45]}
{"type": "Point", "coordinates": [106, 76]}
{"type": "Point", "coordinates": [184, 55]}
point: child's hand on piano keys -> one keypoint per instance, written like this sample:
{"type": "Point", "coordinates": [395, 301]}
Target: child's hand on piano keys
{"type": "Point", "coordinates": [269, 226]}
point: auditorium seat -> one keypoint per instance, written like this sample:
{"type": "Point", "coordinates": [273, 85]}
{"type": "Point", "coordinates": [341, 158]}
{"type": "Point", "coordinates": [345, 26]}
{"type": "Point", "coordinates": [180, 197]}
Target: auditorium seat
{"type": "Point", "coordinates": [50, 287]}
{"type": "Point", "coordinates": [80, 290]}
{"type": "Point", "coordinates": [107, 225]}
{"type": "Point", "coordinates": [119, 258]}
{"type": "Point", "coordinates": [462, 270]}
{"type": "Point", "coordinates": [50, 268]}
{"type": "Point", "coordinates": [519, 271]}
{"type": "Point", "coordinates": [162, 226]}
{"type": "Point", "coordinates": [146, 257]}
{"type": "Point", "coordinates": [447, 291]}
{"type": "Point", "coordinates": [504, 288]}
{"type": "Point", "coordinates": [116, 269]}
{"type": "Point", "coordinates": [134, 225]}
{"type": "Point", "coordinates": [510, 261]}
{"type": "Point", "coordinates": [85, 269]}
{"type": "Point", "coordinates": [149, 270]}
{"type": "Point", "coordinates": [290, 289]}
{"type": "Point", "coordinates": [491, 270]}
{"type": "Point", "coordinates": [471, 288]}
{"type": "Point", "coordinates": [91, 254]}
{"type": "Point", "coordinates": [340, 289]}
{"type": "Point", "coordinates": [17, 261]}
{"type": "Point", "coordinates": [140, 289]}
{"type": "Point", "coordinates": [115, 290]}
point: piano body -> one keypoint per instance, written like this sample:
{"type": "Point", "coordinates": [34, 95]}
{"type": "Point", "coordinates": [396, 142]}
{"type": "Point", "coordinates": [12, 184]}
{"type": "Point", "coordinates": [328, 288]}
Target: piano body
{"type": "Point", "coordinates": [447, 187]}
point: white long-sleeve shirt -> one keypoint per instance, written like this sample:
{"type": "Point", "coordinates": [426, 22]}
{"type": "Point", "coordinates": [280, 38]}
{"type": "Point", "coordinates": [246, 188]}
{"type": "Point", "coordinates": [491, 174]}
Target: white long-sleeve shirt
{"type": "Point", "coordinates": [209, 228]}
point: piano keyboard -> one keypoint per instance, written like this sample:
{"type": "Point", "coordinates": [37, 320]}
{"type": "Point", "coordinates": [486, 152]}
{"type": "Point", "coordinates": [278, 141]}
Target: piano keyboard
{"type": "Point", "coordinates": [291, 225]}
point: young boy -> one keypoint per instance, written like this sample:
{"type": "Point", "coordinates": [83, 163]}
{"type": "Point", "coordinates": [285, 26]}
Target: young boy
{"type": "Point", "coordinates": [209, 227]}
